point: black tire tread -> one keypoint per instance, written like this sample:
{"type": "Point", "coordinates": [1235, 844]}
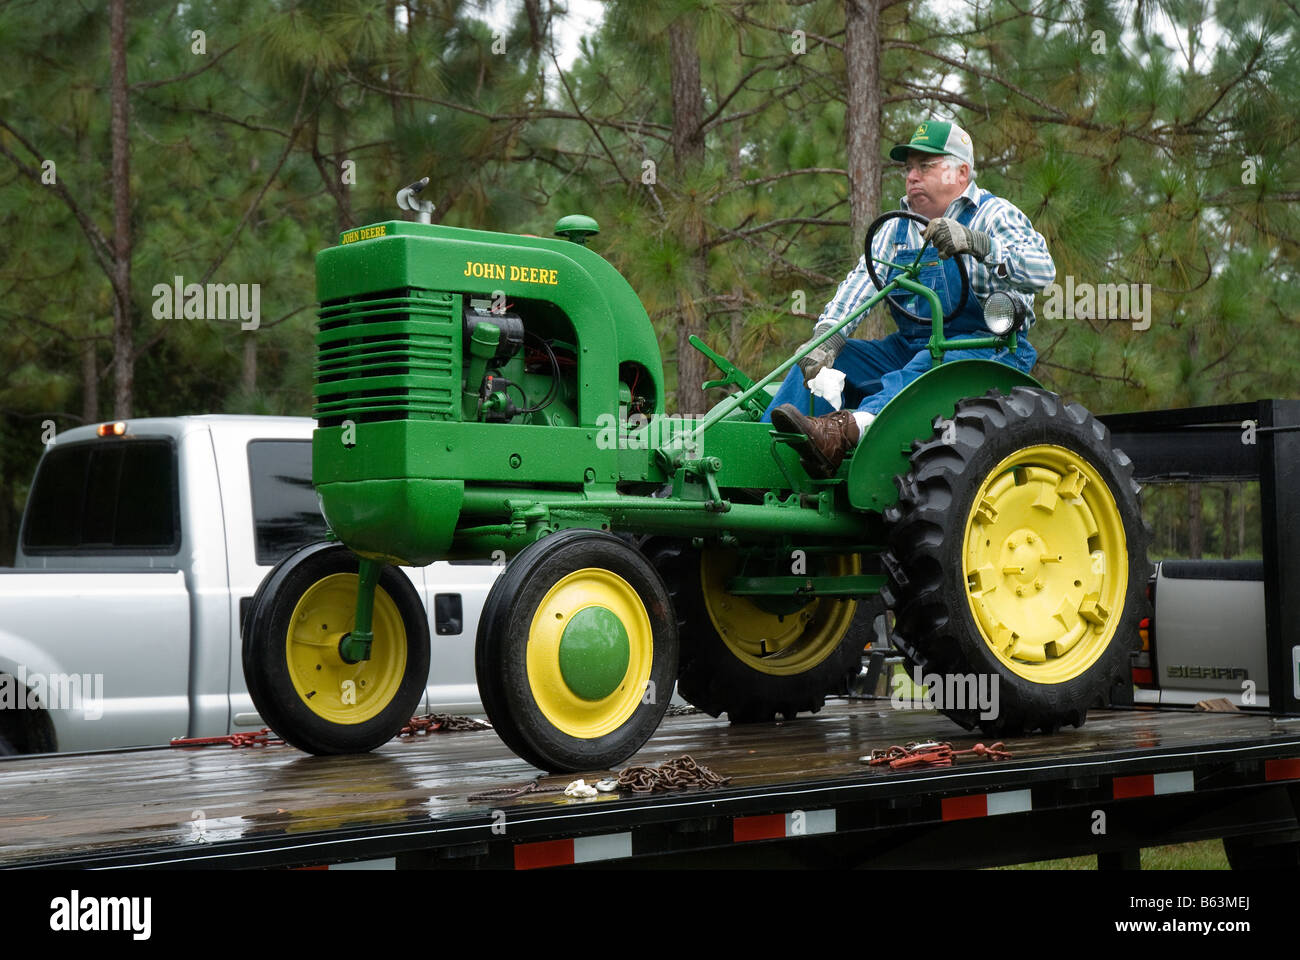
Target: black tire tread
{"type": "Point", "coordinates": [930, 620]}
{"type": "Point", "coordinates": [263, 643]}
{"type": "Point", "coordinates": [713, 680]}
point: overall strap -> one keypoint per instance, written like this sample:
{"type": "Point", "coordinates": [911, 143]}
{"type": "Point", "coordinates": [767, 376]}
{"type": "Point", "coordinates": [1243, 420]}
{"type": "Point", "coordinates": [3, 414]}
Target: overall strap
{"type": "Point", "coordinates": [900, 231]}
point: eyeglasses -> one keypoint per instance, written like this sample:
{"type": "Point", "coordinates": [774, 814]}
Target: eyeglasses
{"type": "Point", "coordinates": [921, 166]}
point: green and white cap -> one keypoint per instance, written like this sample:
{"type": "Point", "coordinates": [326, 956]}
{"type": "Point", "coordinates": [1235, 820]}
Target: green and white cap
{"type": "Point", "coordinates": [938, 136]}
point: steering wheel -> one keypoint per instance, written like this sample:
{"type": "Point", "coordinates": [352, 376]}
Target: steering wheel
{"type": "Point", "coordinates": [871, 267]}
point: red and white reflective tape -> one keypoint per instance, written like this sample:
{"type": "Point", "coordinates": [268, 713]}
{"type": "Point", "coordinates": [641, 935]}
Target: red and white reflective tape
{"type": "Point", "coordinates": [562, 853]}
{"type": "Point", "coordinates": [1283, 768]}
{"type": "Point", "coordinates": [987, 804]}
{"type": "Point", "coordinates": [778, 826]}
{"type": "Point", "coordinates": [1152, 784]}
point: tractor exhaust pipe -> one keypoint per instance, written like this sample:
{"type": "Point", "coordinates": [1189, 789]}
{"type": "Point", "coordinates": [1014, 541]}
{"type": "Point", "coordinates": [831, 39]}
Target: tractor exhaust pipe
{"type": "Point", "coordinates": [423, 209]}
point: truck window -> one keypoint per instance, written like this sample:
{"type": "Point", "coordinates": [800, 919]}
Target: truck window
{"type": "Point", "coordinates": [105, 496]}
{"type": "Point", "coordinates": [286, 514]}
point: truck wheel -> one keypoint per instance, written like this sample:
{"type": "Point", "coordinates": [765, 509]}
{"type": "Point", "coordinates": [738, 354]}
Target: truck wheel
{"type": "Point", "coordinates": [1017, 563]}
{"type": "Point", "coordinates": [751, 663]}
{"type": "Point", "coordinates": [304, 690]}
{"type": "Point", "coordinates": [576, 652]}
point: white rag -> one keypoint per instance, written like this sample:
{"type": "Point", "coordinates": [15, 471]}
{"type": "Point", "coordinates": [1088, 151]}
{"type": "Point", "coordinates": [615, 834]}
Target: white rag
{"type": "Point", "coordinates": [829, 385]}
{"type": "Point", "coordinates": [579, 789]}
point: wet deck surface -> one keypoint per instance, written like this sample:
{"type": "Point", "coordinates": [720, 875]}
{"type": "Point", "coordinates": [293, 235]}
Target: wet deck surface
{"type": "Point", "coordinates": [59, 806]}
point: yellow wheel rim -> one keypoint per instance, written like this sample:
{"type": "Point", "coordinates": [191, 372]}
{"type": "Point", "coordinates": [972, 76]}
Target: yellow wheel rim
{"type": "Point", "coordinates": [333, 689]}
{"type": "Point", "coordinates": [1046, 563]}
{"type": "Point", "coordinates": [590, 596]}
{"type": "Point", "coordinates": [769, 643]}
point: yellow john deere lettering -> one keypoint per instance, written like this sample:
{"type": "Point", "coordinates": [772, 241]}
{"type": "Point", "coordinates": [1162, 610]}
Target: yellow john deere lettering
{"type": "Point", "coordinates": [497, 271]}
{"type": "Point", "coordinates": [365, 233]}
{"type": "Point", "coordinates": [489, 271]}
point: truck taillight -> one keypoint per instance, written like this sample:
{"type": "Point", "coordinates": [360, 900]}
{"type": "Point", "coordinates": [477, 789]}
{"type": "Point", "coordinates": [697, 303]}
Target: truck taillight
{"type": "Point", "coordinates": [112, 429]}
{"type": "Point", "coordinates": [1143, 674]}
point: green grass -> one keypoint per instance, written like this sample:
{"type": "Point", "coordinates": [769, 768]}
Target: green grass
{"type": "Point", "coordinates": [1202, 855]}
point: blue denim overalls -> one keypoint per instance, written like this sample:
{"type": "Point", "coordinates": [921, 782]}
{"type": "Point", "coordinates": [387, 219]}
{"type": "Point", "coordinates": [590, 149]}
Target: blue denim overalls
{"type": "Point", "coordinates": [901, 357]}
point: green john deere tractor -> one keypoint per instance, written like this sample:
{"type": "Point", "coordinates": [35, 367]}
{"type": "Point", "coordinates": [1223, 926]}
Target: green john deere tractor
{"type": "Point", "coordinates": [488, 395]}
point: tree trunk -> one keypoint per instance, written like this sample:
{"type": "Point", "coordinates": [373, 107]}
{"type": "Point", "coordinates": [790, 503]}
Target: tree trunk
{"type": "Point", "coordinates": [1227, 521]}
{"type": "Point", "coordinates": [123, 340]}
{"type": "Point", "coordinates": [89, 383]}
{"type": "Point", "coordinates": [331, 175]}
{"type": "Point", "coordinates": [1194, 527]}
{"type": "Point", "coordinates": [862, 113]}
{"type": "Point", "coordinates": [737, 331]}
{"type": "Point", "coordinates": [1241, 521]}
{"type": "Point", "coordinates": [862, 127]}
{"type": "Point", "coordinates": [1174, 505]}
{"type": "Point", "coordinates": [249, 384]}
{"type": "Point", "coordinates": [688, 153]}
{"type": "Point", "coordinates": [536, 26]}
{"type": "Point", "coordinates": [736, 325]}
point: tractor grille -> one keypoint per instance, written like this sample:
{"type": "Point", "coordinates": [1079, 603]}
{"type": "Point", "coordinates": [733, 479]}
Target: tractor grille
{"type": "Point", "coordinates": [391, 355]}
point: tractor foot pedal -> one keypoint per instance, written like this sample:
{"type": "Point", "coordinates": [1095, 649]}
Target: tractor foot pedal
{"type": "Point", "coordinates": [812, 460]}
{"type": "Point", "coordinates": [799, 441]}
{"type": "Point", "coordinates": [788, 419]}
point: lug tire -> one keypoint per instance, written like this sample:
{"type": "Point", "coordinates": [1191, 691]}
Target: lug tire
{"type": "Point", "coordinates": [397, 671]}
{"type": "Point", "coordinates": [932, 593]}
{"type": "Point", "coordinates": [716, 681]}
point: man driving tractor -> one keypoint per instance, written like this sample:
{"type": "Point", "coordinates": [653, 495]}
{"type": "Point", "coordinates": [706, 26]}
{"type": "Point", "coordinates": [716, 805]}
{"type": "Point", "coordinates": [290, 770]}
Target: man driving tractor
{"type": "Point", "coordinates": [1009, 256]}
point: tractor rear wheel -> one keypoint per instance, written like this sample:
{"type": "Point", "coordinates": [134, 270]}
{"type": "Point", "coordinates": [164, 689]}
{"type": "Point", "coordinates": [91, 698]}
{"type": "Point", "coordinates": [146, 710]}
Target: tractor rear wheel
{"type": "Point", "coordinates": [300, 683]}
{"type": "Point", "coordinates": [746, 661]}
{"type": "Point", "coordinates": [1017, 563]}
{"type": "Point", "coordinates": [576, 652]}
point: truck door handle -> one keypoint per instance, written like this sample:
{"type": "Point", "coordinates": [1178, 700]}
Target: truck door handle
{"type": "Point", "coordinates": [448, 616]}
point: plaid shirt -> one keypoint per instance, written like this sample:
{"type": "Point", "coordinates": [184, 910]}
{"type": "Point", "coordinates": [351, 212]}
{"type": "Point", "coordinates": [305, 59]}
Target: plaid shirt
{"type": "Point", "coordinates": [1018, 261]}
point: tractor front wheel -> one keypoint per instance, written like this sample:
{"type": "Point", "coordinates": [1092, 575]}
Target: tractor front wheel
{"type": "Point", "coordinates": [576, 652]}
{"type": "Point", "coordinates": [299, 680]}
{"type": "Point", "coordinates": [1017, 563]}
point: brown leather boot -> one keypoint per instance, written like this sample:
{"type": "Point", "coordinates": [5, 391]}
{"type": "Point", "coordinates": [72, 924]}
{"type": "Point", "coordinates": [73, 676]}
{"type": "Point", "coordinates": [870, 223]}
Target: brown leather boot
{"type": "Point", "coordinates": [832, 437]}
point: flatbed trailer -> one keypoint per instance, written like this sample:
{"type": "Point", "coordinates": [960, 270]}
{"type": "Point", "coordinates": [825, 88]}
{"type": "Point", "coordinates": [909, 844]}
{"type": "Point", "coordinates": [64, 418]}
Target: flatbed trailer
{"type": "Point", "coordinates": [799, 795]}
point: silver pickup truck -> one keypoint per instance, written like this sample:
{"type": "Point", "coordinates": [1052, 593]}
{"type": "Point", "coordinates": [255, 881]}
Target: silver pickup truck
{"type": "Point", "coordinates": [1207, 636]}
{"type": "Point", "coordinates": [140, 548]}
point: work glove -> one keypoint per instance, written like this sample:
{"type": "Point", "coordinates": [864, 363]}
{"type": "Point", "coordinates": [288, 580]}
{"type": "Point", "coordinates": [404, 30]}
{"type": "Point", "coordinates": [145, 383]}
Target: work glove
{"type": "Point", "coordinates": [951, 238]}
{"type": "Point", "coordinates": [823, 356]}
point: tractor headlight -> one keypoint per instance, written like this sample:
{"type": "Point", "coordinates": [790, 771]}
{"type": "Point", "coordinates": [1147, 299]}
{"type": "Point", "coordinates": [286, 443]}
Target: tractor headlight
{"type": "Point", "coordinates": [1003, 313]}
